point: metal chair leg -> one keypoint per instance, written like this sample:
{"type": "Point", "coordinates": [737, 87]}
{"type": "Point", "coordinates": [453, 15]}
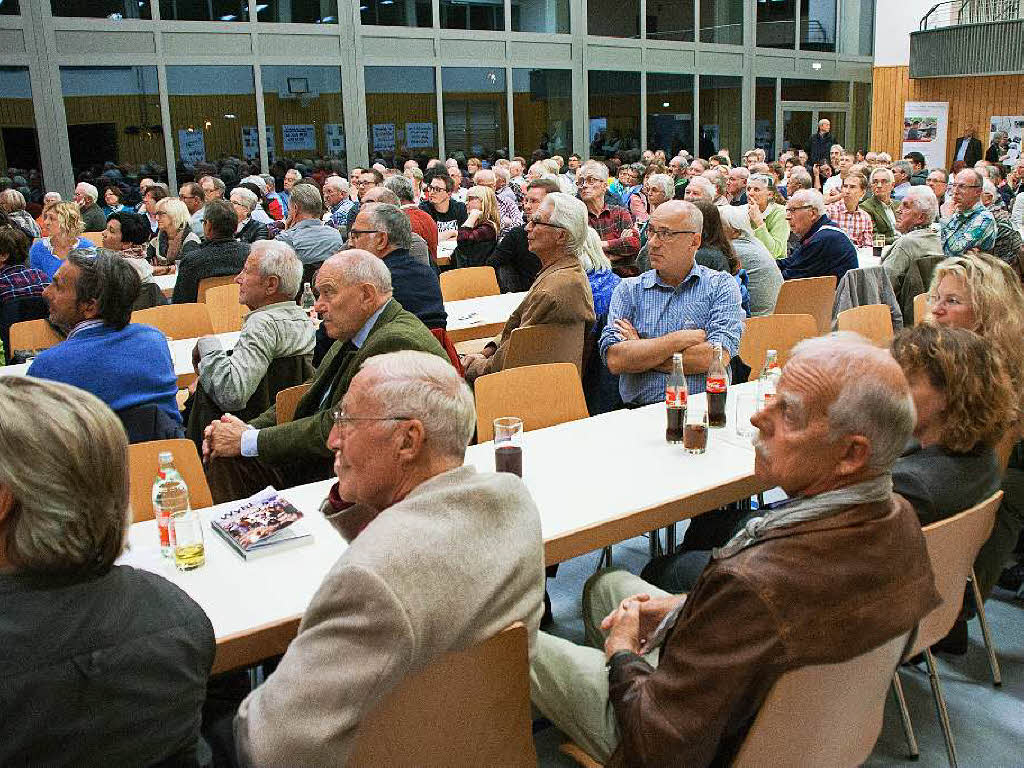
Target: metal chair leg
{"type": "Point", "coordinates": [670, 539]}
{"type": "Point", "coordinates": [993, 662]}
{"type": "Point", "coordinates": [655, 543]}
{"type": "Point", "coordinates": [908, 726]}
{"type": "Point", "coordinates": [606, 556]}
{"type": "Point", "coordinates": [940, 707]}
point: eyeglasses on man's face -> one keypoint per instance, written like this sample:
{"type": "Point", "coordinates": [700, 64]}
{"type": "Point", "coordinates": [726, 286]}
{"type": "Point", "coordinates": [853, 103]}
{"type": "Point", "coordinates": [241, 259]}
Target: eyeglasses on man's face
{"type": "Point", "coordinates": [537, 222]}
{"type": "Point", "coordinates": [344, 420]}
{"type": "Point", "coordinates": [666, 234]}
{"type": "Point", "coordinates": [795, 208]}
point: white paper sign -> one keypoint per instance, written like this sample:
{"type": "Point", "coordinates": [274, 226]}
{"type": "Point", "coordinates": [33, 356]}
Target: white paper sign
{"type": "Point", "coordinates": [419, 135]}
{"type": "Point", "coordinates": [334, 138]}
{"type": "Point", "coordinates": [383, 137]}
{"type": "Point", "coordinates": [924, 131]}
{"type": "Point", "coordinates": [250, 142]}
{"type": "Point", "coordinates": [298, 137]}
{"type": "Point", "coordinates": [191, 148]}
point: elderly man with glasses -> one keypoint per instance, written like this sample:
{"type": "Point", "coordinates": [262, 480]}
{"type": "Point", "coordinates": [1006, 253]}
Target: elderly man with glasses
{"type": "Point", "coordinates": [880, 206]}
{"type": "Point", "coordinates": [676, 306]}
{"type": "Point", "coordinates": [823, 248]}
{"type": "Point", "coordinates": [613, 223]}
{"type": "Point", "coordinates": [972, 224]}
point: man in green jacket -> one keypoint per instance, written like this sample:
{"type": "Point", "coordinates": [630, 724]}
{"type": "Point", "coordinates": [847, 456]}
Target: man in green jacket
{"type": "Point", "coordinates": [360, 314]}
{"type": "Point", "coordinates": [880, 206]}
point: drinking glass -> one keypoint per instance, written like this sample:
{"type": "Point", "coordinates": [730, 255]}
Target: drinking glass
{"type": "Point", "coordinates": [695, 429]}
{"type": "Point", "coordinates": [878, 244]}
{"type": "Point", "coordinates": [508, 445]}
{"type": "Point", "coordinates": [746, 406]}
{"type": "Point", "coordinates": [187, 535]}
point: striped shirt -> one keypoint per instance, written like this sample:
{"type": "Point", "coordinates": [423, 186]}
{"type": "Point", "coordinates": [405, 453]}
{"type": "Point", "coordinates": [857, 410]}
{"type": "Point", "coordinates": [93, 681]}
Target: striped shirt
{"type": "Point", "coordinates": [974, 228]}
{"type": "Point", "coordinates": [857, 225]}
{"type": "Point", "coordinates": [706, 299]}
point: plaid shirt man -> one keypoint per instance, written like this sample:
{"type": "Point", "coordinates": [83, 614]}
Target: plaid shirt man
{"type": "Point", "coordinates": [974, 228]}
{"type": "Point", "coordinates": [856, 224]}
{"type": "Point", "coordinates": [18, 280]}
{"type": "Point", "coordinates": [610, 223]}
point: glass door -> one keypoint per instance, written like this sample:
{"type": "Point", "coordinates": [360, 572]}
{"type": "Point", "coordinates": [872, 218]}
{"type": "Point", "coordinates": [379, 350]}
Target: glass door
{"type": "Point", "coordinates": [797, 120]}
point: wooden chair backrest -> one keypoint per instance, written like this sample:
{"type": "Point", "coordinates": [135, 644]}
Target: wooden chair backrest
{"type": "Point", "coordinates": [540, 395]}
{"type": "Point", "coordinates": [538, 344]}
{"type": "Point", "coordinates": [222, 304]}
{"type": "Point", "coordinates": [469, 708]}
{"type": "Point", "coordinates": [469, 283]}
{"type": "Point", "coordinates": [920, 308]}
{"type": "Point", "coordinates": [143, 463]}
{"type": "Point", "coordinates": [213, 282]}
{"type": "Point", "coordinates": [778, 332]}
{"type": "Point", "coordinates": [813, 296]}
{"type": "Point", "coordinates": [32, 334]}
{"type": "Point", "coordinates": [953, 544]}
{"type": "Point", "coordinates": [827, 714]}
{"type": "Point", "coordinates": [96, 238]}
{"type": "Point", "coordinates": [287, 401]}
{"type": "Point", "coordinates": [872, 321]}
{"type": "Point", "coordinates": [179, 321]}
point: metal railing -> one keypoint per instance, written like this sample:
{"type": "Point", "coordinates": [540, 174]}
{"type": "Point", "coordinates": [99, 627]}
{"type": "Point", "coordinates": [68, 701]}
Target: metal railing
{"type": "Point", "coordinates": [952, 13]}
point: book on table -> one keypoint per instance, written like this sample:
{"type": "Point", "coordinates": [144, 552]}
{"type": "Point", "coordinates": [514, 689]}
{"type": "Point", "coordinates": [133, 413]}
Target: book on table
{"type": "Point", "coordinates": [261, 525]}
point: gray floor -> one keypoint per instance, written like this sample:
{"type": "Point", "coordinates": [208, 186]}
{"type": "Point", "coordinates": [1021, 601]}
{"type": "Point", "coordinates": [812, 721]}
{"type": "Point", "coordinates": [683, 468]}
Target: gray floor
{"type": "Point", "coordinates": [987, 722]}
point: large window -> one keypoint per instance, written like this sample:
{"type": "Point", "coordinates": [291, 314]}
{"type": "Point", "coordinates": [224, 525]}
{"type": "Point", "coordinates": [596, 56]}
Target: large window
{"type": "Point", "coordinates": [401, 114]}
{"type": "Point", "coordinates": [670, 113]}
{"type": "Point", "coordinates": [19, 142]}
{"type": "Point", "coordinates": [764, 117]}
{"type": "Point", "coordinates": [475, 111]}
{"type": "Point", "coordinates": [721, 21]}
{"type": "Point", "coordinates": [97, 9]}
{"type": "Point", "coordinates": [720, 108]}
{"type": "Point", "coordinates": [540, 16]}
{"type": "Point", "coordinates": [9, 8]}
{"type": "Point", "coordinates": [472, 14]}
{"type": "Point", "coordinates": [298, 11]}
{"type": "Point", "coordinates": [396, 13]}
{"type": "Point", "coordinates": [114, 125]}
{"type": "Point", "coordinates": [542, 111]}
{"type": "Point", "coordinates": [303, 111]}
{"type": "Point", "coordinates": [818, 25]}
{"type": "Point", "coordinates": [614, 100]}
{"type": "Point", "coordinates": [203, 10]}
{"type": "Point", "coordinates": [815, 90]}
{"type": "Point", "coordinates": [213, 119]}
{"type": "Point", "coordinates": [776, 24]}
{"type": "Point", "coordinates": [670, 20]}
{"type": "Point", "coordinates": [614, 18]}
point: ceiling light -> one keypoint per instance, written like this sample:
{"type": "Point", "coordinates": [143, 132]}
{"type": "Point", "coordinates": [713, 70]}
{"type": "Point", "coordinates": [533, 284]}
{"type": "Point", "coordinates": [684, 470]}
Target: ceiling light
{"type": "Point", "coordinates": [664, 103]}
{"type": "Point", "coordinates": [228, 17]}
{"type": "Point", "coordinates": [816, 65]}
{"type": "Point", "coordinates": [230, 117]}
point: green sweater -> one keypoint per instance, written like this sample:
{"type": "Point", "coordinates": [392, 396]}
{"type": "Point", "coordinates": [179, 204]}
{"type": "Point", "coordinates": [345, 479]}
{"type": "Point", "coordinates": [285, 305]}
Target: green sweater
{"type": "Point", "coordinates": [774, 233]}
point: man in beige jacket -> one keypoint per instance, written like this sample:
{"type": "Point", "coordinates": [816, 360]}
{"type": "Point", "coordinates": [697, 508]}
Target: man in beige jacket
{"type": "Point", "coordinates": [440, 558]}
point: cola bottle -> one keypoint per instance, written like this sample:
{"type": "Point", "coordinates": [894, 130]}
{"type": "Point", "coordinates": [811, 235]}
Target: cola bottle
{"type": "Point", "coordinates": [675, 401]}
{"type": "Point", "coordinates": [717, 388]}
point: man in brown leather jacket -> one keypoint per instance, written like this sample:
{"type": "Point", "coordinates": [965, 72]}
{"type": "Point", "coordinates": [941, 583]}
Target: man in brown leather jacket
{"type": "Point", "coordinates": [833, 572]}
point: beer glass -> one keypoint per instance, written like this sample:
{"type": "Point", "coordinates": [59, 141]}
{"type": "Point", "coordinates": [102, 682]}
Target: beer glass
{"type": "Point", "coordinates": [695, 428]}
{"type": "Point", "coordinates": [508, 445]}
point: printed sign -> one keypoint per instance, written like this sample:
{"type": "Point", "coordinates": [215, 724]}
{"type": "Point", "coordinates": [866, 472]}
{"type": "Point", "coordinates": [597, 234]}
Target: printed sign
{"type": "Point", "coordinates": [191, 147]}
{"type": "Point", "coordinates": [419, 135]}
{"type": "Point", "coordinates": [334, 138]}
{"type": "Point", "coordinates": [298, 138]}
{"type": "Point", "coordinates": [383, 137]}
{"type": "Point", "coordinates": [924, 131]}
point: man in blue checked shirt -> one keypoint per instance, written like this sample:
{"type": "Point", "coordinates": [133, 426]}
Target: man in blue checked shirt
{"type": "Point", "coordinates": [677, 306]}
{"type": "Point", "coordinates": [972, 225]}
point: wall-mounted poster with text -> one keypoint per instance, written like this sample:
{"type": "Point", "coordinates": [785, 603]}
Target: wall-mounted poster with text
{"type": "Point", "coordinates": [924, 131]}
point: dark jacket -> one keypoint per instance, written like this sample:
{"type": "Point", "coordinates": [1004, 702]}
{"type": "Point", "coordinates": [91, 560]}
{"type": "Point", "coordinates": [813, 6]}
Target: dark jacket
{"type": "Point", "coordinates": [416, 288]}
{"type": "Point", "coordinates": [817, 592]}
{"type": "Point", "coordinates": [474, 245]}
{"type": "Point", "coordinates": [516, 265]}
{"type": "Point", "coordinates": [818, 147]}
{"type": "Point", "coordinates": [973, 153]}
{"type": "Point", "coordinates": [110, 671]}
{"type": "Point", "coordinates": [821, 252]}
{"type": "Point", "coordinates": [919, 178]}
{"type": "Point", "coordinates": [94, 219]}
{"type": "Point", "coordinates": [252, 231]}
{"type": "Point", "coordinates": [457, 213]}
{"type": "Point", "coordinates": [940, 484]}
{"type": "Point", "coordinates": [214, 258]}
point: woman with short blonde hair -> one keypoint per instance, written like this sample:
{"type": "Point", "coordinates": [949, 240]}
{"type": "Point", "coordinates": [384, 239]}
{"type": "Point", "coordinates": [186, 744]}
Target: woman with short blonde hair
{"type": "Point", "coordinates": [174, 236]}
{"type": "Point", "coordinates": [478, 236]}
{"type": "Point", "coordinates": [64, 223]}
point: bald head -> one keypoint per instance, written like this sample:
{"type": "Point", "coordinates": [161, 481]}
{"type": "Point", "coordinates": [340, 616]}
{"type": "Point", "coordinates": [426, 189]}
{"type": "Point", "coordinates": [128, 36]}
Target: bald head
{"type": "Point", "coordinates": [673, 237]}
{"type": "Point", "coordinates": [485, 178]}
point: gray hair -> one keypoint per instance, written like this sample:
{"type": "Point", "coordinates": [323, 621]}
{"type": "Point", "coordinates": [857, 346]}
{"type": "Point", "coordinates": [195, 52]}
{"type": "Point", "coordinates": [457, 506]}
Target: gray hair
{"type": "Point", "coordinates": [306, 198]}
{"type": "Point", "coordinates": [802, 179]}
{"type": "Point", "coordinates": [217, 181]}
{"type": "Point", "coordinates": [337, 182]}
{"type": "Point", "coordinates": [358, 267]}
{"type": "Point", "coordinates": [425, 387]}
{"type": "Point", "coordinates": [922, 199]}
{"type": "Point", "coordinates": [884, 173]}
{"type": "Point", "coordinates": [592, 256]}
{"type": "Point", "coordinates": [51, 197]}
{"type": "Point", "coordinates": [569, 213]}
{"type": "Point", "coordinates": [884, 157]}
{"type": "Point", "coordinates": [814, 199]}
{"type": "Point", "coordinates": [12, 200]}
{"type": "Point", "coordinates": [987, 188]}
{"type": "Point", "coordinates": [269, 182]}
{"type": "Point", "coordinates": [63, 455]}
{"type": "Point", "coordinates": [245, 196]}
{"type": "Point", "coordinates": [867, 403]}
{"type": "Point", "coordinates": [737, 218]}
{"type": "Point", "coordinates": [594, 168]}
{"type": "Point", "coordinates": [257, 181]}
{"type": "Point", "coordinates": [401, 186]}
{"type": "Point", "coordinates": [392, 220]}
{"type": "Point", "coordinates": [90, 191]}
{"type": "Point", "coordinates": [704, 185]}
{"type": "Point", "coordinates": [277, 259]}
{"type": "Point", "coordinates": [904, 166]}
{"type": "Point", "coordinates": [663, 182]}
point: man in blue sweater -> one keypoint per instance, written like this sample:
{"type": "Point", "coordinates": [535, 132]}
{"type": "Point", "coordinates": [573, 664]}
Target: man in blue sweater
{"type": "Point", "coordinates": [824, 249]}
{"type": "Point", "coordinates": [125, 365]}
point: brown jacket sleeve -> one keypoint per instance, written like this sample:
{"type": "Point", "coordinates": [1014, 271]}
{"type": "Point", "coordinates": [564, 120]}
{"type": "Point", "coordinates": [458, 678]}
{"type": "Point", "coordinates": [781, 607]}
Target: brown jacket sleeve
{"type": "Point", "coordinates": [712, 676]}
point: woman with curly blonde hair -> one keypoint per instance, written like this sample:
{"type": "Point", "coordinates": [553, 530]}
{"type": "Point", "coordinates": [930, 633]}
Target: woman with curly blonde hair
{"type": "Point", "coordinates": [478, 236]}
{"type": "Point", "coordinates": [982, 294]}
{"type": "Point", "coordinates": [174, 236]}
{"type": "Point", "coordinates": [64, 223]}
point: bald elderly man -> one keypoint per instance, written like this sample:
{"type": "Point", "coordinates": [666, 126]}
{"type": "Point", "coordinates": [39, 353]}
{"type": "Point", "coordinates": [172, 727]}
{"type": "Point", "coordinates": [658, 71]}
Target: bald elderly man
{"type": "Point", "coordinates": [833, 572]}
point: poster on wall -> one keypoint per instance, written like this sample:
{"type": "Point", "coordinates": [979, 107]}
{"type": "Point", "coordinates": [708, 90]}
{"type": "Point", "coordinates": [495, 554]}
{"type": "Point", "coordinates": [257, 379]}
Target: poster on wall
{"type": "Point", "coordinates": [1013, 127]}
{"type": "Point", "coordinates": [191, 148]}
{"type": "Point", "coordinates": [334, 138]}
{"type": "Point", "coordinates": [298, 138]}
{"type": "Point", "coordinates": [383, 137]}
{"type": "Point", "coordinates": [924, 131]}
{"type": "Point", "coordinates": [419, 135]}
{"type": "Point", "coordinates": [251, 142]}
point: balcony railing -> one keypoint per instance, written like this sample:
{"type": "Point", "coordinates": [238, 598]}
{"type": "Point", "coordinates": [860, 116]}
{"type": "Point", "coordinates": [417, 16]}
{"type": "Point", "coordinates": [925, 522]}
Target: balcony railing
{"type": "Point", "coordinates": [969, 37]}
{"type": "Point", "coordinates": [952, 13]}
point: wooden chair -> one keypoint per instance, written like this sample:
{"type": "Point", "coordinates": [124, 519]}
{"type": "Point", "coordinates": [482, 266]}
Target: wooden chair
{"type": "Point", "coordinates": [778, 332]}
{"type": "Point", "coordinates": [222, 304]}
{"type": "Point", "coordinates": [540, 395]}
{"type": "Point", "coordinates": [143, 464]}
{"type": "Point", "coordinates": [813, 296]}
{"type": "Point", "coordinates": [469, 283]}
{"type": "Point", "coordinates": [920, 308]}
{"type": "Point", "coordinates": [953, 544]}
{"type": "Point", "coordinates": [872, 321]}
{"type": "Point", "coordinates": [179, 321]}
{"type": "Point", "coordinates": [33, 334]}
{"type": "Point", "coordinates": [96, 238]}
{"type": "Point", "coordinates": [287, 401]}
{"type": "Point", "coordinates": [538, 344]}
{"type": "Point", "coordinates": [469, 708]}
{"type": "Point", "coordinates": [213, 282]}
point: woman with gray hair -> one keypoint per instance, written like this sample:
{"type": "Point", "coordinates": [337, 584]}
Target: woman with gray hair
{"type": "Point", "coordinates": [249, 230]}
{"type": "Point", "coordinates": [12, 202]}
{"type": "Point", "coordinates": [103, 664]}
{"type": "Point", "coordinates": [764, 279]}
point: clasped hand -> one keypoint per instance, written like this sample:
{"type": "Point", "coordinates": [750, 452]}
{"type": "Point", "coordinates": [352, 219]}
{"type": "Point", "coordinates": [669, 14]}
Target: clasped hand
{"type": "Point", "coordinates": [223, 438]}
{"type": "Point", "coordinates": [630, 626]}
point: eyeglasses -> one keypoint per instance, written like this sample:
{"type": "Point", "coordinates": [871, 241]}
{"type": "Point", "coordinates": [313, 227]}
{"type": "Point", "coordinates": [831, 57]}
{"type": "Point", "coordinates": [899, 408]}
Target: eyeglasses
{"type": "Point", "coordinates": [538, 223]}
{"type": "Point", "coordinates": [589, 180]}
{"type": "Point", "coordinates": [432, 188]}
{"type": "Point", "coordinates": [947, 301]}
{"type": "Point", "coordinates": [665, 234]}
{"type": "Point", "coordinates": [955, 185]}
{"type": "Point", "coordinates": [795, 208]}
{"type": "Point", "coordinates": [342, 419]}
{"type": "Point", "coordinates": [363, 232]}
